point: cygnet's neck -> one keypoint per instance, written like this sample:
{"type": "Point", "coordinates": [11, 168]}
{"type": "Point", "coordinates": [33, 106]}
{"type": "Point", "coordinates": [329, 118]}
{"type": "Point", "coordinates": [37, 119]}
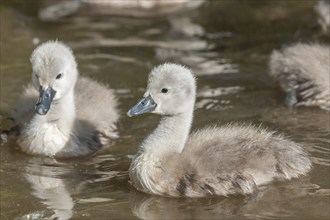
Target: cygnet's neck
{"type": "Point", "coordinates": [62, 111]}
{"type": "Point", "coordinates": [171, 134]}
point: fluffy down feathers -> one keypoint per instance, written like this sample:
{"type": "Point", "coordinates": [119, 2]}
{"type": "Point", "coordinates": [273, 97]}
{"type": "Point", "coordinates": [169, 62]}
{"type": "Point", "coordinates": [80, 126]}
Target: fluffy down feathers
{"type": "Point", "coordinates": [303, 71]}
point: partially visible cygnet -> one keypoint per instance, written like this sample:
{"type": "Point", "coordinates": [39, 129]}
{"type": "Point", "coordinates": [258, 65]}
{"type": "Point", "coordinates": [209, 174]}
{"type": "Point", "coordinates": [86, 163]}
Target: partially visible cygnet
{"type": "Point", "coordinates": [303, 73]}
{"type": "Point", "coordinates": [322, 9]}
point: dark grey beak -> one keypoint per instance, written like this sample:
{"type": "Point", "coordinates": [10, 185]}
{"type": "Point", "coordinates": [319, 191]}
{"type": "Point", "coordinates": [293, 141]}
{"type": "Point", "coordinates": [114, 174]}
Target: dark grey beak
{"type": "Point", "coordinates": [45, 100]}
{"type": "Point", "coordinates": [147, 104]}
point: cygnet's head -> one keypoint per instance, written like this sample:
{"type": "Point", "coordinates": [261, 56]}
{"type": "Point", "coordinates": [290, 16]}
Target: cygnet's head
{"type": "Point", "coordinates": [54, 73]}
{"type": "Point", "coordinates": [171, 90]}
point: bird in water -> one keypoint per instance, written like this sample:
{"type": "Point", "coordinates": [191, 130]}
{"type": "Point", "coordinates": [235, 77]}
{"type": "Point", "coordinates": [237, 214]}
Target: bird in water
{"type": "Point", "coordinates": [214, 161]}
{"type": "Point", "coordinates": [62, 114]}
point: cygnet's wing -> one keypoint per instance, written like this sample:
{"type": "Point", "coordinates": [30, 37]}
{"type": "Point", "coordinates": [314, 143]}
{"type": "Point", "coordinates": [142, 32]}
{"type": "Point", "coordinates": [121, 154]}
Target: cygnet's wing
{"type": "Point", "coordinates": [242, 155]}
{"type": "Point", "coordinates": [97, 105]}
{"type": "Point", "coordinates": [25, 107]}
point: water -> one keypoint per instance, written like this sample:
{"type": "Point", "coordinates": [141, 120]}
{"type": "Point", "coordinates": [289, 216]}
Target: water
{"type": "Point", "coordinates": [227, 44]}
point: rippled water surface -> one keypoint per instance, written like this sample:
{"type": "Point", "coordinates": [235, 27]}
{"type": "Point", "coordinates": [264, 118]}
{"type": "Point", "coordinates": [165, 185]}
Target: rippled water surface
{"type": "Point", "coordinates": [227, 44]}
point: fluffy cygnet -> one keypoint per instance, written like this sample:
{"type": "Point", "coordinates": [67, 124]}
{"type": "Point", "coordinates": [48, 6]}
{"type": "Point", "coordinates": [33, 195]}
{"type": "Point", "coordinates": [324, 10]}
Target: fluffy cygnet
{"type": "Point", "coordinates": [221, 161]}
{"type": "Point", "coordinates": [322, 9]}
{"type": "Point", "coordinates": [303, 73]}
{"type": "Point", "coordinates": [61, 114]}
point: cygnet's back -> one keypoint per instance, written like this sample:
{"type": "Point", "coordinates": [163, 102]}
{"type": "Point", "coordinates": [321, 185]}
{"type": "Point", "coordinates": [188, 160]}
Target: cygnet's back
{"type": "Point", "coordinates": [97, 103]}
{"type": "Point", "coordinates": [235, 158]}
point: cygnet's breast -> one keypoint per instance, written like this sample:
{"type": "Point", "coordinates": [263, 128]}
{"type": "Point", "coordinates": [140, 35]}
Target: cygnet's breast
{"type": "Point", "coordinates": [146, 173]}
{"type": "Point", "coordinates": [47, 139]}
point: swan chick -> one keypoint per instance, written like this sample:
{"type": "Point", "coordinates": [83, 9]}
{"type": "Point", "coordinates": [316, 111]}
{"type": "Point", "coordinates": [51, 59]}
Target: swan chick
{"type": "Point", "coordinates": [303, 73]}
{"type": "Point", "coordinates": [61, 114]}
{"type": "Point", "coordinates": [214, 161]}
{"type": "Point", "coordinates": [322, 9]}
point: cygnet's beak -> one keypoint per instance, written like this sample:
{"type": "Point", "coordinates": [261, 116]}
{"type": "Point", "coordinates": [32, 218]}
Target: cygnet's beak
{"type": "Point", "coordinates": [146, 105]}
{"type": "Point", "coordinates": [45, 100]}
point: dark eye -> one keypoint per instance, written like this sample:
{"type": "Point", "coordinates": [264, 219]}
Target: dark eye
{"type": "Point", "coordinates": [59, 76]}
{"type": "Point", "coordinates": [164, 90]}
{"type": "Point", "coordinates": [37, 76]}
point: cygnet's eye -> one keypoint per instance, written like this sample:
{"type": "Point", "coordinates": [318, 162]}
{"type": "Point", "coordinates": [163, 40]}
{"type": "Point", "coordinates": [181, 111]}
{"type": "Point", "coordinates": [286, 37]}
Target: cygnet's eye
{"type": "Point", "coordinates": [59, 76]}
{"type": "Point", "coordinates": [164, 90]}
{"type": "Point", "coordinates": [36, 76]}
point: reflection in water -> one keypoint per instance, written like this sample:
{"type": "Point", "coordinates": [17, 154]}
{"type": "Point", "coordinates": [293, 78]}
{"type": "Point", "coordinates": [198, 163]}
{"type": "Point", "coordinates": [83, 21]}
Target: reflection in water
{"type": "Point", "coordinates": [304, 118]}
{"type": "Point", "coordinates": [274, 200]}
{"type": "Point", "coordinates": [155, 207]}
{"type": "Point", "coordinates": [52, 192]}
{"type": "Point", "coordinates": [208, 98]}
{"type": "Point", "coordinates": [108, 57]}
{"type": "Point", "coordinates": [181, 43]}
{"type": "Point", "coordinates": [54, 10]}
{"type": "Point", "coordinates": [207, 92]}
{"type": "Point", "coordinates": [44, 175]}
{"type": "Point", "coordinates": [202, 61]}
{"type": "Point", "coordinates": [54, 183]}
{"type": "Point", "coordinates": [136, 42]}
